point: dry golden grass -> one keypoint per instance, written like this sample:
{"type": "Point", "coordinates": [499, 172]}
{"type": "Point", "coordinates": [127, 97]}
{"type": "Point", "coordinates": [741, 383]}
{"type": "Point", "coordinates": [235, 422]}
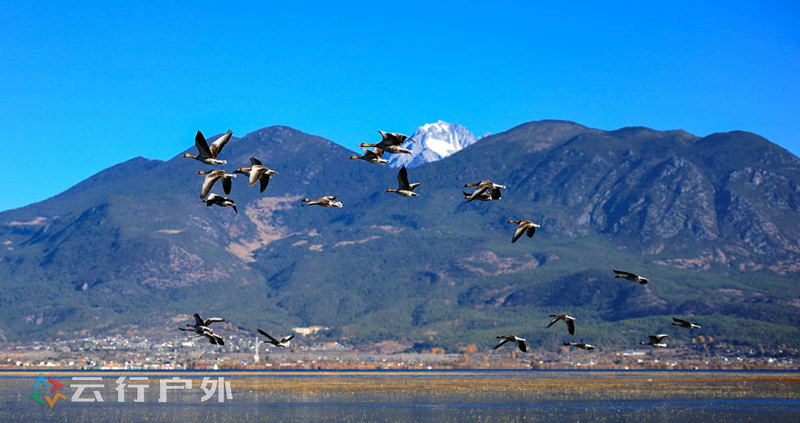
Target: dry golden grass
{"type": "Point", "coordinates": [604, 386]}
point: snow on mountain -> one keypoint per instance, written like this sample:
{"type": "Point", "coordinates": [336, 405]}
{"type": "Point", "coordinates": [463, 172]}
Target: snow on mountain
{"type": "Point", "coordinates": [434, 141]}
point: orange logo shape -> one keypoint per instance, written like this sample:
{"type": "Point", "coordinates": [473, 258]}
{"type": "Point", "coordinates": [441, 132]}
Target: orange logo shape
{"type": "Point", "coordinates": [52, 402]}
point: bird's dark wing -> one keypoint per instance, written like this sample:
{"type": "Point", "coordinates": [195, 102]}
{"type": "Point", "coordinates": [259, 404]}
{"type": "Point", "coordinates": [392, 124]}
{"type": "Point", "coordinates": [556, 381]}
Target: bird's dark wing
{"type": "Point", "coordinates": [268, 336]}
{"type": "Point", "coordinates": [530, 231]}
{"type": "Point", "coordinates": [683, 322]}
{"type": "Point", "coordinates": [570, 326]}
{"type": "Point", "coordinates": [522, 346]}
{"type": "Point", "coordinates": [478, 191]}
{"type": "Point", "coordinates": [226, 185]}
{"type": "Point", "coordinates": [518, 233]}
{"type": "Point", "coordinates": [212, 320]}
{"type": "Point", "coordinates": [390, 138]}
{"type": "Point", "coordinates": [233, 206]}
{"type": "Point", "coordinates": [287, 339]}
{"type": "Point", "coordinates": [495, 193]}
{"type": "Point", "coordinates": [254, 161]}
{"type": "Point", "coordinates": [198, 320]}
{"type": "Point", "coordinates": [264, 181]}
{"type": "Point", "coordinates": [216, 146]}
{"type": "Point", "coordinates": [208, 183]}
{"type": "Point", "coordinates": [625, 274]}
{"type": "Point", "coordinates": [501, 343]}
{"type": "Point", "coordinates": [402, 178]}
{"type": "Point", "coordinates": [555, 319]}
{"type": "Point", "coordinates": [201, 144]}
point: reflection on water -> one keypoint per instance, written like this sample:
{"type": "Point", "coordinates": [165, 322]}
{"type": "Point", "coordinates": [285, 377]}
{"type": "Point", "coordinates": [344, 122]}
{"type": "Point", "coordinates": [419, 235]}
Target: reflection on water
{"type": "Point", "coordinates": [530, 396]}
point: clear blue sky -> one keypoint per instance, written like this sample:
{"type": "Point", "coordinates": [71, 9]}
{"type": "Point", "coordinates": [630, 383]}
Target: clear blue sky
{"type": "Point", "coordinates": [86, 85]}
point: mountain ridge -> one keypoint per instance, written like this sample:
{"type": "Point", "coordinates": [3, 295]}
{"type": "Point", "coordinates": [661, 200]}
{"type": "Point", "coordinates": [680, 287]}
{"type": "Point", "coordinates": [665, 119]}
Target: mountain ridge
{"type": "Point", "coordinates": [640, 198]}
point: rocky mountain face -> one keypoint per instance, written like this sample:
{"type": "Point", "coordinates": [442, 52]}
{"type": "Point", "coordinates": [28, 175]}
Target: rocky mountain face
{"type": "Point", "coordinates": [434, 141]}
{"type": "Point", "coordinates": [711, 221]}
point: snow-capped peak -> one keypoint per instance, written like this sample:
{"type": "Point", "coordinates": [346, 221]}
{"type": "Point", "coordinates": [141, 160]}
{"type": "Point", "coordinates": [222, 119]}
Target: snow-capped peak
{"type": "Point", "coordinates": [434, 141]}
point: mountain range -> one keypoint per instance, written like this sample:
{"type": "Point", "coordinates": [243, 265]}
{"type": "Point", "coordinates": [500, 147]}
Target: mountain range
{"type": "Point", "coordinates": [711, 221]}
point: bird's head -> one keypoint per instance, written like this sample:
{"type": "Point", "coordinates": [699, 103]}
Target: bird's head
{"type": "Point", "coordinates": [188, 155]}
{"type": "Point", "coordinates": [354, 157]}
{"type": "Point", "coordinates": [203, 172]}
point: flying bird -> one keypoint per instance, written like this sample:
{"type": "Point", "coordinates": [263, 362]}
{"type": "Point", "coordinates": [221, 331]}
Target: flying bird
{"type": "Point", "coordinates": [212, 176]}
{"type": "Point", "coordinates": [206, 154]}
{"type": "Point", "coordinates": [375, 156]}
{"type": "Point", "coordinates": [257, 172]}
{"type": "Point", "coordinates": [220, 201]}
{"type": "Point", "coordinates": [684, 324]}
{"type": "Point", "coordinates": [630, 276]}
{"type": "Point", "coordinates": [655, 341]}
{"type": "Point", "coordinates": [200, 324]}
{"type": "Point", "coordinates": [570, 321]}
{"type": "Point", "coordinates": [283, 342]}
{"type": "Point", "coordinates": [201, 327]}
{"type": "Point", "coordinates": [581, 345]}
{"type": "Point", "coordinates": [391, 143]}
{"type": "Point", "coordinates": [523, 227]}
{"type": "Point", "coordinates": [327, 201]}
{"type": "Point", "coordinates": [404, 188]}
{"type": "Point", "coordinates": [485, 186]}
{"type": "Point", "coordinates": [505, 338]}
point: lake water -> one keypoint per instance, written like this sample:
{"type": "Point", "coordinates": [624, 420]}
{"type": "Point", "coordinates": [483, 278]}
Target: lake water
{"type": "Point", "coordinates": [457, 396]}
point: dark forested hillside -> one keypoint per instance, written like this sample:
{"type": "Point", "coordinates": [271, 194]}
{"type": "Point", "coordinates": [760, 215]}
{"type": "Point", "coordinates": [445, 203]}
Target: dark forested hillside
{"type": "Point", "coordinates": [713, 222]}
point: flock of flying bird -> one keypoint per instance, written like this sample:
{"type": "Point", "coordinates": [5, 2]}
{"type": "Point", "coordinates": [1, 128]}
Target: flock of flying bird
{"type": "Point", "coordinates": [390, 143]}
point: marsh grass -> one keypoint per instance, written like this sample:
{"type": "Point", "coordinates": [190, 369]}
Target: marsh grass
{"type": "Point", "coordinates": [565, 386]}
{"type": "Point", "coordinates": [424, 396]}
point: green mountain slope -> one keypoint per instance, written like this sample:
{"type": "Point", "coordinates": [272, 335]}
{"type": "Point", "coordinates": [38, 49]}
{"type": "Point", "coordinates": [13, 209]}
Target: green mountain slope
{"type": "Point", "coordinates": [711, 221]}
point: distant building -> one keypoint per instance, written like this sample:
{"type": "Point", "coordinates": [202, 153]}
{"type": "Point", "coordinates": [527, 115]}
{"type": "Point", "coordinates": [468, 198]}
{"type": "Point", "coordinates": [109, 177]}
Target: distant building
{"type": "Point", "coordinates": [309, 330]}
